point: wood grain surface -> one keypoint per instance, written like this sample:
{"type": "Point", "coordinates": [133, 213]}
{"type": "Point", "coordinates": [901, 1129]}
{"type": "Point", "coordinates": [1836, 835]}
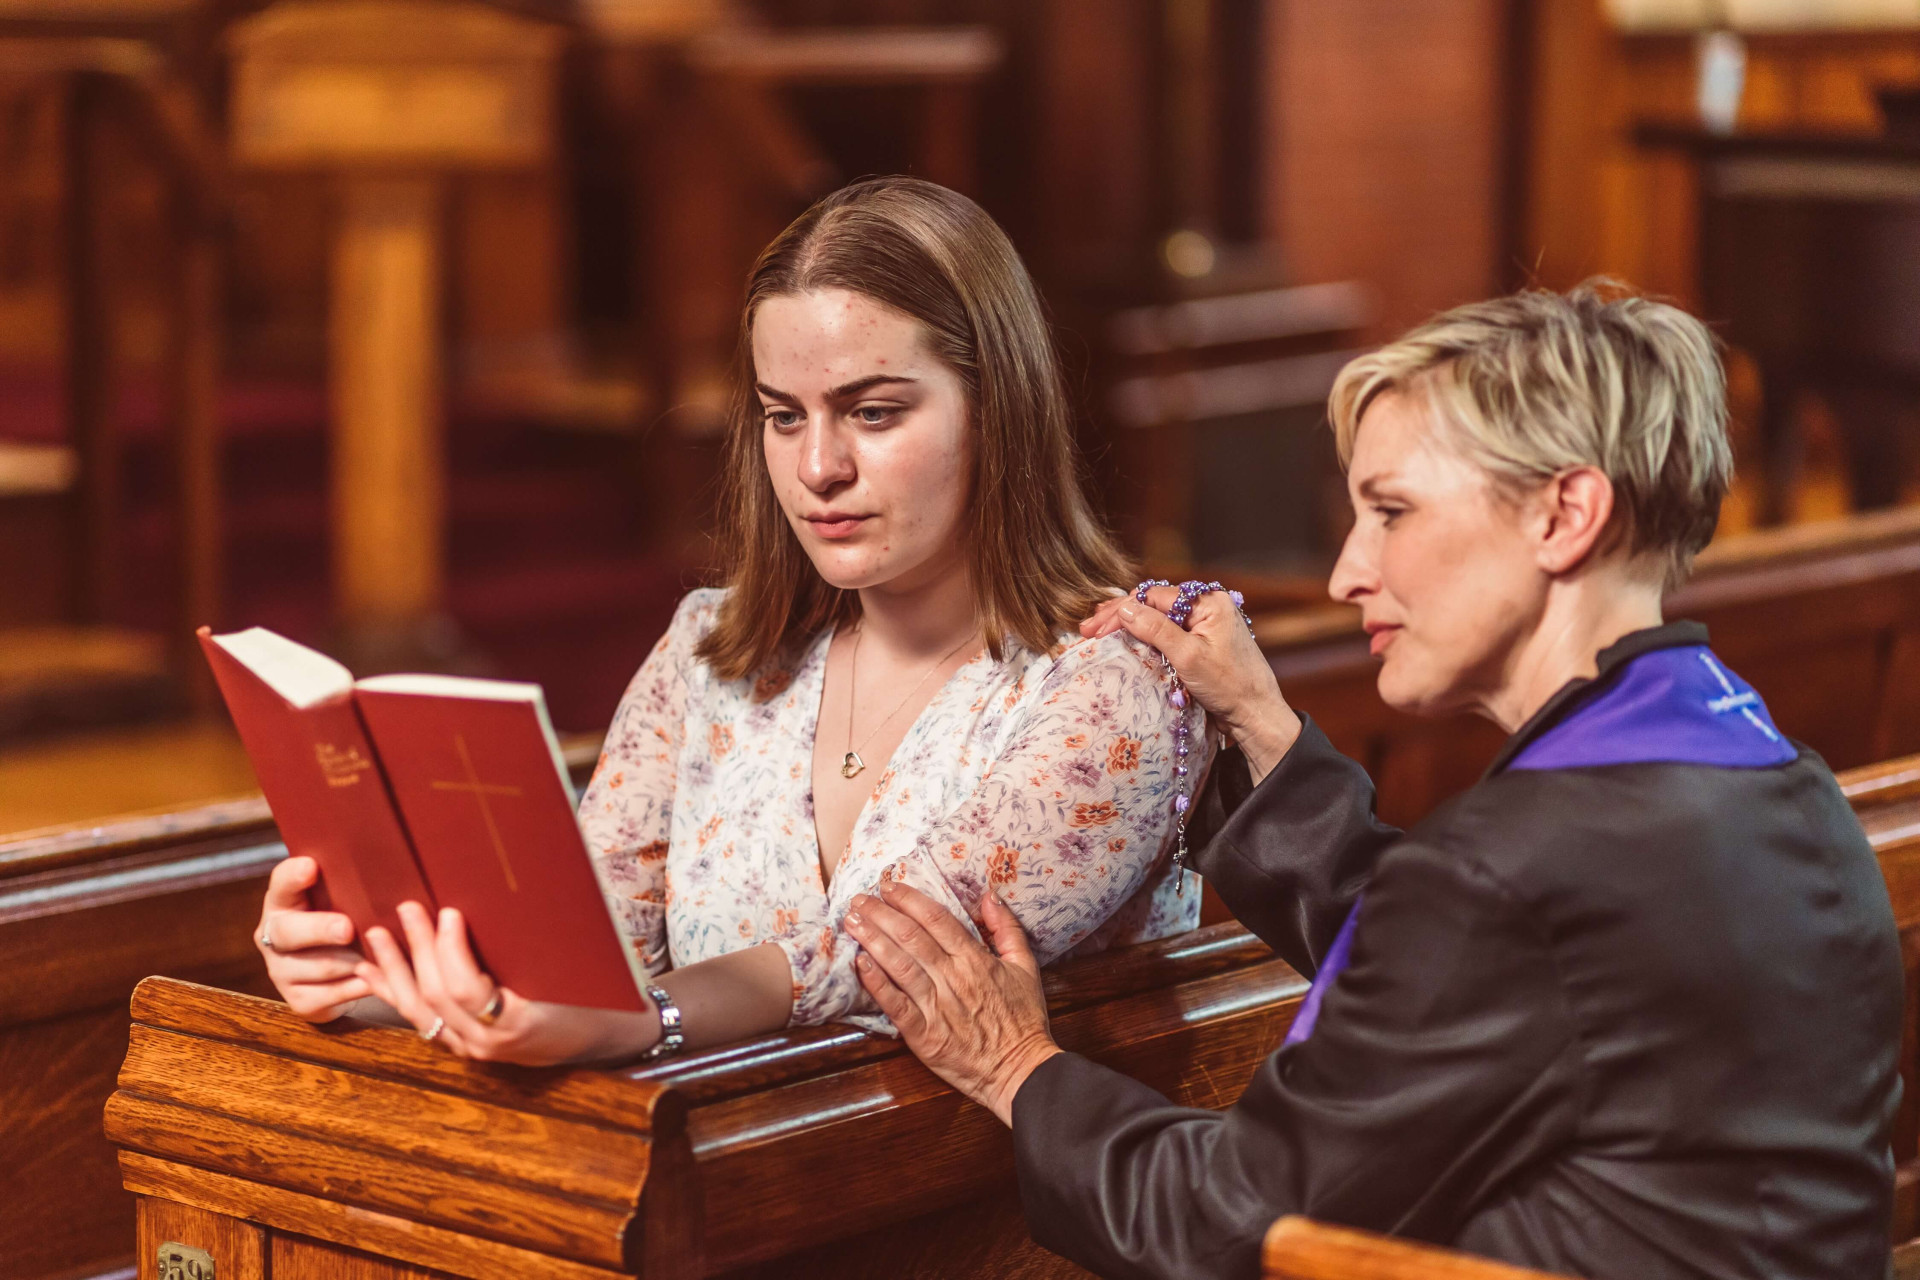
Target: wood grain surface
{"type": "Point", "coordinates": [1297, 1249]}
{"type": "Point", "coordinates": [382, 1234]}
{"type": "Point", "coordinates": [59, 1186]}
{"type": "Point", "coordinates": [268, 1026]}
{"type": "Point", "coordinates": [984, 1237]}
{"type": "Point", "coordinates": [295, 1258]}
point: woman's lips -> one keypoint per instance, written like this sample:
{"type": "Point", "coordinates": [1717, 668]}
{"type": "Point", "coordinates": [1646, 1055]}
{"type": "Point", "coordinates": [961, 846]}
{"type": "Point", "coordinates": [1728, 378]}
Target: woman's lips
{"type": "Point", "coordinates": [1378, 638]}
{"type": "Point", "coordinates": [837, 526]}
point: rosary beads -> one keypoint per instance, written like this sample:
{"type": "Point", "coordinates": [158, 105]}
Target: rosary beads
{"type": "Point", "coordinates": [1181, 614]}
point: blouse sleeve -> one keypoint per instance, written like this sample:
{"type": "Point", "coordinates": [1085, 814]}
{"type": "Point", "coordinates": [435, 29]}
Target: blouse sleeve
{"type": "Point", "coordinates": [1067, 824]}
{"type": "Point", "coordinates": [626, 812]}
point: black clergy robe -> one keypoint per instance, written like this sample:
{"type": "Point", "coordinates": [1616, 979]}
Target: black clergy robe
{"type": "Point", "coordinates": [1628, 1009]}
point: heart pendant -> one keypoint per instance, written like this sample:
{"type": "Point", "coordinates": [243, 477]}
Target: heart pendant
{"type": "Point", "coordinates": [852, 765]}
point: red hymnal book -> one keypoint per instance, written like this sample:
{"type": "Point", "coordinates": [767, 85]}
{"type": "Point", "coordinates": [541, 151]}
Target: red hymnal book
{"type": "Point", "coordinates": [442, 790]}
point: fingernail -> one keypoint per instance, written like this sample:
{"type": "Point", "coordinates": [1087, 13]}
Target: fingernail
{"type": "Point", "coordinates": [1129, 611]}
{"type": "Point", "coordinates": [853, 917]}
{"type": "Point", "coordinates": [859, 899]}
{"type": "Point", "coordinates": [864, 962]}
{"type": "Point", "coordinates": [888, 889]}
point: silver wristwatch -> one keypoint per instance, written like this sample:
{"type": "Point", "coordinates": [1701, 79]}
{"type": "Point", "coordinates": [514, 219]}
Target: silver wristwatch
{"type": "Point", "coordinates": [671, 1036]}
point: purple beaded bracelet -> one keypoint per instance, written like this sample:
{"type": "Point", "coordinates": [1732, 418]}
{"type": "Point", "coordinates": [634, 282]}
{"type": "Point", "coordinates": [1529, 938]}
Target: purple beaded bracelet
{"type": "Point", "coordinates": [1181, 613]}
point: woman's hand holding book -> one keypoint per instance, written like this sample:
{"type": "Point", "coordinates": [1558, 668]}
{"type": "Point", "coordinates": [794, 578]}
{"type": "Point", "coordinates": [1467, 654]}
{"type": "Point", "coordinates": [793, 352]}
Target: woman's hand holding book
{"type": "Point", "coordinates": [320, 974]}
{"type": "Point", "coordinates": [444, 993]}
{"type": "Point", "coordinates": [309, 954]}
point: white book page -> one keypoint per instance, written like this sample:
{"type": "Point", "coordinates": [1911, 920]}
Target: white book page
{"type": "Point", "coordinates": [304, 677]}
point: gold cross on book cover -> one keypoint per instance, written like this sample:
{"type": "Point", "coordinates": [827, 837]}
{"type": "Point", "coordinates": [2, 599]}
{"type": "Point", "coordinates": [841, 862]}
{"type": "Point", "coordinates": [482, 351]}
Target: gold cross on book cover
{"type": "Point", "coordinates": [472, 770]}
{"type": "Point", "coordinates": [480, 791]}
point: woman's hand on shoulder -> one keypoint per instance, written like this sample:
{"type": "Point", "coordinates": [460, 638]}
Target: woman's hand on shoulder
{"type": "Point", "coordinates": [310, 955]}
{"type": "Point", "coordinates": [1220, 663]}
{"type": "Point", "coordinates": [444, 993]}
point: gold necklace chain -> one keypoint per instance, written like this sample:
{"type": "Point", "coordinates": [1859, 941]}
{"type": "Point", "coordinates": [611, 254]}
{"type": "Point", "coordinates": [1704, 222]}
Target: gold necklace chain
{"type": "Point", "coordinates": [851, 764]}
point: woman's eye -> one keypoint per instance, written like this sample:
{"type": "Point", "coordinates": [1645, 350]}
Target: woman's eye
{"type": "Point", "coordinates": [874, 415]}
{"type": "Point", "coordinates": [1389, 514]}
{"type": "Point", "coordinates": [783, 419]}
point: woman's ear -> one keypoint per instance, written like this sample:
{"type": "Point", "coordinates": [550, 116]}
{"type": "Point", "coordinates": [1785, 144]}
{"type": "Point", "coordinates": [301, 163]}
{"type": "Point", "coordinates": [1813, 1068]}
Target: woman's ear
{"type": "Point", "coordinates": [1575, 508]}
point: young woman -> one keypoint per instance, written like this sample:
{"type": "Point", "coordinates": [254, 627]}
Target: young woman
{"type": "Point", "coordinates": [891, 688]}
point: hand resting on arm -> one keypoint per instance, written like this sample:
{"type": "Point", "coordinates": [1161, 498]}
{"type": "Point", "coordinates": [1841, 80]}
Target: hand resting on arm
{"type": "Point", "coordinates": [976, 1015]}
{"type": "Point", "coordinates": [976, 1018]}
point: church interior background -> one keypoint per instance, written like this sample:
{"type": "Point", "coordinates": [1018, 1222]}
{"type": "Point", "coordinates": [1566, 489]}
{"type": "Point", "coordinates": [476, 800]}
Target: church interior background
{"type": "Point", "coordinates": [403, 327]}
{"type": "Point", "coordinates": [436, 380]}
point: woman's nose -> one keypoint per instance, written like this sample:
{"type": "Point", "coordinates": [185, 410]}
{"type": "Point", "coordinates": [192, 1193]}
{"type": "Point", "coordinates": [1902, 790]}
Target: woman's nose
{"type": "Point", "coordinates": [825, 461]}
{"type": "Point", "coordinates": [1353, 575]}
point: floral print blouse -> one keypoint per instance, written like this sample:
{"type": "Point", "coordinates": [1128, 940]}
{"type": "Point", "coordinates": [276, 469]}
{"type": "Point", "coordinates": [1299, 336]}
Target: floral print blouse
{"type": "Point", "coordinates": [1048, 777]}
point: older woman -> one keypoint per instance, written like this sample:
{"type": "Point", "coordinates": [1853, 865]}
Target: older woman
{"type": "Point", "coordinates": [1629, 1007]}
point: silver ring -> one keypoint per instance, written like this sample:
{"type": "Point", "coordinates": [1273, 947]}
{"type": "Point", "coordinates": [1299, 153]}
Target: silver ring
{"type": "Point", "coordinates": [433, 1032]}
{"type": "Point", "coordinates": [266, 940]}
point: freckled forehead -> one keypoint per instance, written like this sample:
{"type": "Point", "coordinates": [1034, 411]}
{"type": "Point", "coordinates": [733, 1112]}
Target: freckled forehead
{"type": "Point", "coordinates": [805, 343]}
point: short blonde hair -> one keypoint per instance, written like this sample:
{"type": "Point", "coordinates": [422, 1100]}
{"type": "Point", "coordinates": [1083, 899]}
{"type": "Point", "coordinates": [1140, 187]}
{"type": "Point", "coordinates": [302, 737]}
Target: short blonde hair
{"type": "Point", "coordinates": [1537, 383]}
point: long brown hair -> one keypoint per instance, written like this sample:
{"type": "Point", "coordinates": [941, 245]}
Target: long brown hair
{"type": "Point", "coordinates": [1038, 559]}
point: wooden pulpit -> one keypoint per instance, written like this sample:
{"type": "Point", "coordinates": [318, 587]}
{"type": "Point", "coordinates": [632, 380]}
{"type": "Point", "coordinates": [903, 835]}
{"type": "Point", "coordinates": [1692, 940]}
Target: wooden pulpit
{"type": "Point", "coordinates": [394, 97]}
{"type": "Point", "coordinates": [260, 1145]}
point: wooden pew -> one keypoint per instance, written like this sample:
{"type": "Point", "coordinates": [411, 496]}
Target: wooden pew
{"type": "Point", "coordinates": [1301, 1249]}
{"type": "Point", "coordinates": [250, 1135]}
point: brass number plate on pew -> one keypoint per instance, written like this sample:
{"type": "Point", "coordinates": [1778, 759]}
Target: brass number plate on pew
{"type": "Point", "coordinates": [179, 1262]}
